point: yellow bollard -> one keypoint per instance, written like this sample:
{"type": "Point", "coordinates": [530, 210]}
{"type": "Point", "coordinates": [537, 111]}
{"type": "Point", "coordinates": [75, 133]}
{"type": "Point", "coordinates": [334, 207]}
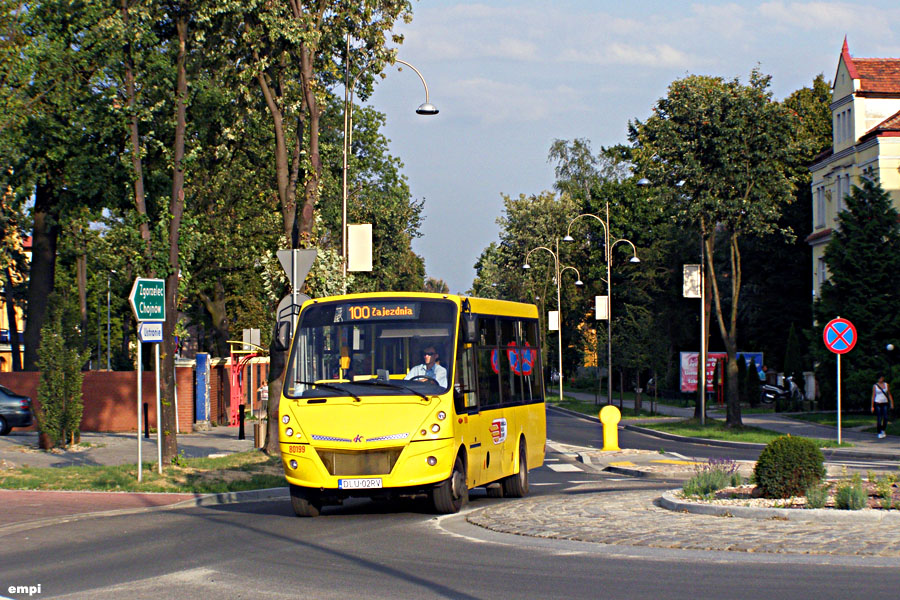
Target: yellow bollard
{"type": "Point", "coordinates": [610, 417]}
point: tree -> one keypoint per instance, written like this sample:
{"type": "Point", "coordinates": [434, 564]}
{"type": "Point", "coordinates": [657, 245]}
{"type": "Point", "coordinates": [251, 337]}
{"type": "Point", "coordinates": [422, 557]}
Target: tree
{"type": "Point", "coordinates": [730, 146]}
{"type": "Point", "coordinates": [290, 51]}
{"type": "Point", "coordinates": [59, 390]}
{"type": "Point", "coordinates": [863, 259]}
{"type": "Point", "coordinates": [436, 286]}
{"type": "Point", "coordinates": [773, 297]}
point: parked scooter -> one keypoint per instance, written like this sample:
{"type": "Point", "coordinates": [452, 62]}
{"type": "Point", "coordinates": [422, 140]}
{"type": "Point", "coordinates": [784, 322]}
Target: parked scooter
{"type": "Point", "coordinates": [769, 394]}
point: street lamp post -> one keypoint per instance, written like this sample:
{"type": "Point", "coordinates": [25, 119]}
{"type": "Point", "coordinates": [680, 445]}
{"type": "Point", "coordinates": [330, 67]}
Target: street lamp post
{"type": "Point", "coordinates": [607, 257]}
{"type": "Point", "coordinates": [425, 108]}
{"type": "Point", "coordinates": [558, 270]}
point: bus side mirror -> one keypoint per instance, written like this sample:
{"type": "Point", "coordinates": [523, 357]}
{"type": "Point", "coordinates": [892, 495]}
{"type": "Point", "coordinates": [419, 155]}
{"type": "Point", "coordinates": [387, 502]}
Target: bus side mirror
{"type": "Point", "coordinates": [282, 337]}
{"type": "Point", "coordinates": [470, 332]}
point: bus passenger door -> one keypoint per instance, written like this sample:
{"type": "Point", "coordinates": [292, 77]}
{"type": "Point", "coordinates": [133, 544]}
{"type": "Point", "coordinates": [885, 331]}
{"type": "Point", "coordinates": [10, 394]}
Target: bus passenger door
{"type": "Point", "coordinates": [469, 419]}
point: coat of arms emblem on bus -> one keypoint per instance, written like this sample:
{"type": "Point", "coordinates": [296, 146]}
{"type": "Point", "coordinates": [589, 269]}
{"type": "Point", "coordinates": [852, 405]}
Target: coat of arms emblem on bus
{"type": "Point", "coordinates": [498, 430]}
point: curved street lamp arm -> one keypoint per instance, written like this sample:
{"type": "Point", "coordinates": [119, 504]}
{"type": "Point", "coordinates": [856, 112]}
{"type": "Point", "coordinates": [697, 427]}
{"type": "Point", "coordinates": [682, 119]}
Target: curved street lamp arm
{"type": "Point", "coordinates": [613, 245]}
{"type": "Point", "coordinates": [572, 222]}
{"type": "Point", "coordinates": [403, 62]}
{"type": "Point", "coordinates": [564, 269]}
{"type": "Point", "coordinates": [541, 248]}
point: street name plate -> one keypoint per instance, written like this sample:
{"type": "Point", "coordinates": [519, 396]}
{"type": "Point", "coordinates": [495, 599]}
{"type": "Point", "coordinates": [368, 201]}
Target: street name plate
{"type": "Point", "coordinates": [150, 331]}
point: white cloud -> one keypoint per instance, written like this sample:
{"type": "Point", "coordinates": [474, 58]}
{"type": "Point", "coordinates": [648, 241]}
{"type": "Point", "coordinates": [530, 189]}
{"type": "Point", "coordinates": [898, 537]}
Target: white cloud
{"type": "Point", "coordinates": [494, 102]}
{"type": "Point", "coordinates": [620, 53]}
{"type": "Point", "coordinates": [829, 17]}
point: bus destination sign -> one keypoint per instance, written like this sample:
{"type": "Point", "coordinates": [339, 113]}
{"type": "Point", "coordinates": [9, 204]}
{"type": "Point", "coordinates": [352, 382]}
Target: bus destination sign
{"type": "Point", "coordinates": [376, 311]}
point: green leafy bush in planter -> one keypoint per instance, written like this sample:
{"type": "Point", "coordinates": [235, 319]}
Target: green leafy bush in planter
{"type": "Point", "coordinates": [851, 496]}
{"type": "Point", "coordinates": [789, 466]}
{"type": "Point", "coordinates": [817, 496]}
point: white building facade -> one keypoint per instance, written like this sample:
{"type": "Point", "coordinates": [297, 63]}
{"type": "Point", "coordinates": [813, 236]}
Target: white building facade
{"type": "Point", "coordinates": [865, 111]}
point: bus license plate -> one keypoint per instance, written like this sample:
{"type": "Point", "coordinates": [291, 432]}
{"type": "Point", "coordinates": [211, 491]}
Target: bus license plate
{"type": "Point", "coordinates": [359, 484]}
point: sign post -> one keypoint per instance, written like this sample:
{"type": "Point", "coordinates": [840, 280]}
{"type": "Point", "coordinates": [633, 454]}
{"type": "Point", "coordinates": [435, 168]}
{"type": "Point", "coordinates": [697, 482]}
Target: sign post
{"type": "Point", "coordinates": [840, 338]}
{"type": "Point", "coordinates": [148, 301]}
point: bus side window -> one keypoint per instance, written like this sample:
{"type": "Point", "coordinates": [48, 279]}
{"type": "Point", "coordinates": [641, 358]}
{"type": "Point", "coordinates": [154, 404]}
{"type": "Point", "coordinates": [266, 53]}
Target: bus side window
{"type": "Point", "coordinates": [510, 369]}
{"type": "Point", "coordinates": [488, 358]}
{"type": "Point", "coordinates": [465, 389]}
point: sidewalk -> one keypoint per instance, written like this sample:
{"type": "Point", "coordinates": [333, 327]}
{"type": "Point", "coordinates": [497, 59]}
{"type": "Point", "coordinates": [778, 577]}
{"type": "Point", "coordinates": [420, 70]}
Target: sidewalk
{"type": "Point", "coordinates": [20, 448]}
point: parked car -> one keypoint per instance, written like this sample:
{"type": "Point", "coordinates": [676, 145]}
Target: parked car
{"type": "Point", "coordinates": [15, 410]}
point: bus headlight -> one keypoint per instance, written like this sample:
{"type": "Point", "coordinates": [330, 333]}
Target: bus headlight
{"type": "Point", "coordinates": [293, 464]}
{"type": "Point", "coordinates": [286, 419]}
{"type": "Point", "coordinates": [441, 415]}
{"type": "Point", "coordinates": [431, 461]}
{"type": "Point", "coordinates": [435, 428]}
{"type": "Point", "coordinates": [289, 432]}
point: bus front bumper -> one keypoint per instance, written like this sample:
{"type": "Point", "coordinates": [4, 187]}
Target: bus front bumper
{"type": "Point", "coordinates": [412, 468]}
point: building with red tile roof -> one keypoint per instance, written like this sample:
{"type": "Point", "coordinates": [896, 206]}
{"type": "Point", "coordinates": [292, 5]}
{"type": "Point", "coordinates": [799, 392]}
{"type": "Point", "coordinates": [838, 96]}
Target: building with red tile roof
{"type": "Point", "coordinates": [865, 109]}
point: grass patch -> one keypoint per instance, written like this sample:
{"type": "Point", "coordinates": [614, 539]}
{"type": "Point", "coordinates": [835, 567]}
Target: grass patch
{"type": "Point", "coordinates": [848, 421]}
{"type": "Point", "coordinates": [716, 430]}
{"type": "Point", "coordinates": [237, 472]}
{"type": "Point", "coordinates": [587, 407]}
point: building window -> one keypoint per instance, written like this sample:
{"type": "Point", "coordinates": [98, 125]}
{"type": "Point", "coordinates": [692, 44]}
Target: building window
{"type": "Point", "coordinates": [839, 203]}
{"type": "Point", "coordinates": [819, 208]}
{"type": "Point", "coordinates": [821, 271]}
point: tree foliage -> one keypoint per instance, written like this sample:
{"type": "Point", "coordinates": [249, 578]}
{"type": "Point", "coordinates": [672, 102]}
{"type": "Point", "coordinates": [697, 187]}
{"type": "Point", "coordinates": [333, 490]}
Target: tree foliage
{"type": "Point", "coordinates": [863, 259]}
{"type": "Point", "coordinates": [59, 390]}
{"type": "Point", "coordinates": [722, 148]}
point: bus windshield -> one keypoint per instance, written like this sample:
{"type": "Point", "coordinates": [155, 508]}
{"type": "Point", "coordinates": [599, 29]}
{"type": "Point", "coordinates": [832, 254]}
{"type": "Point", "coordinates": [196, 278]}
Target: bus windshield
{"type": "Point", "coordinates": [372, 347]}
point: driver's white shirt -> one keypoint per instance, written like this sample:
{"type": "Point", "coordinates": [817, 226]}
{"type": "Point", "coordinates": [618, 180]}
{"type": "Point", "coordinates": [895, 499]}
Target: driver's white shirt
{"type": "Point", "coordinates": [439, 373]}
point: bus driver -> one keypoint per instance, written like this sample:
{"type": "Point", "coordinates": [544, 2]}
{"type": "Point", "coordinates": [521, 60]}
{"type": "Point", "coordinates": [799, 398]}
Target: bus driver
{"type": "Point", "coordinates": [430, 368]}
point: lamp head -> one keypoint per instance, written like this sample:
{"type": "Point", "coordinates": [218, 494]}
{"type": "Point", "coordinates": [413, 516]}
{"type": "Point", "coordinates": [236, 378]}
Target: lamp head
{"type": "Point", "coordinates": [526, 266]}
{"type": "Point", "coordinates": [634, 259]}
{"type": "Point", "coordinates": [643, 181]}
{"type": "Point", "coordinates": [579, 283]}
{"type": "Point", "coordinates": [427, 109]}
{"type": "Point", "coordinates": [568, 238]}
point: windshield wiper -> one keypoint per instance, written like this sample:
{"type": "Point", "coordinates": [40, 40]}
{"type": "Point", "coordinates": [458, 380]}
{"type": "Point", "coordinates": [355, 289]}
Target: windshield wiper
{"type": "Point", "coordinates": [394, 386]}
{"type": "Point", "coordinates": [329, 386]}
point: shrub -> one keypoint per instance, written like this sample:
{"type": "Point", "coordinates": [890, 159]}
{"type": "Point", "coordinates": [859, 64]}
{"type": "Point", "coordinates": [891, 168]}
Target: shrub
{"type": "Point", "coordinates": [706, 482]}
{"type": "Point", "coordinates": [851, 496]}
{"type": "Point", "coordinates": [817, 496]}
{"type": "Point", "coordinates": [788, 466]}
{"type": "Point", "coordinates": [711, 477]}
{"type": "Point", "coordinates": [59, 389]}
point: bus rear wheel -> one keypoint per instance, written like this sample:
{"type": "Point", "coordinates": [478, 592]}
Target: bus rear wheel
{"type": "Point", "coordinates": [305, 502]}
{"type": "Point", "coordinates": [516, 486]}
{"type": "Point", "coordinates": [450, 495]}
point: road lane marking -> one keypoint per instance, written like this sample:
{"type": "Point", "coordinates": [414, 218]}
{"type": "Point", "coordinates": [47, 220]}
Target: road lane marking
{"type": "Point", "coordinates": [564, 468]}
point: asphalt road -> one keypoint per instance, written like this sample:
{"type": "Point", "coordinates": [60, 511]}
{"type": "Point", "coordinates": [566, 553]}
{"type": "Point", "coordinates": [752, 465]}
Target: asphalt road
{"type": "Point", "coordinates": [580, 432]}
{"type": "Point", "coordinates": [399, 550]}
{"type": "Point", "coordinates": [373, 550]}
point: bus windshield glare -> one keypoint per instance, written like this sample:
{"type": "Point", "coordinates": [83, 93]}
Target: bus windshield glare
{"type": "Point", "coordinates": [372, 347]}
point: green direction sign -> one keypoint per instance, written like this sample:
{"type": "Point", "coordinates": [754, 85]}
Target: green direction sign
{"type": "Point", "coordinates": [148, 299]}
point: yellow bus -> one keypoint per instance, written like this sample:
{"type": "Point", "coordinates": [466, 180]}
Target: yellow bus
{"type": "Point", "coordinates": [397, 394]}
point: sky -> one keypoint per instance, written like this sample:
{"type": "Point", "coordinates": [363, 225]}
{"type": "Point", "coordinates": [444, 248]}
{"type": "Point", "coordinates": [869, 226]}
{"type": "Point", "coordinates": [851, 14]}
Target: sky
{"type": "Point", "coordinates": [509, 77]}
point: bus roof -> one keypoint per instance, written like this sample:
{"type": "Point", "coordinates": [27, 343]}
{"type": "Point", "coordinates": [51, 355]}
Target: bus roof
{"type": "Point", "coordinates": [476, 305]}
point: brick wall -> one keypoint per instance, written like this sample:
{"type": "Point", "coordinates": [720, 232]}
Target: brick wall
{"type": "Point", "coordinates": [110, 398]}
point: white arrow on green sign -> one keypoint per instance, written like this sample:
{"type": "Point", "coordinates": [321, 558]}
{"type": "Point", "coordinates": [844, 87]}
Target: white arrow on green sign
{"type": "Point", "coordinates": [148, 299]}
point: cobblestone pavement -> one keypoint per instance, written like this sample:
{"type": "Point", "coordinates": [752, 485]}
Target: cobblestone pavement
{"type": "Point", "coordinates": [632, 517]}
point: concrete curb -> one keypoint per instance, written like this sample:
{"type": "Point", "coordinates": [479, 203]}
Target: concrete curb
{"type": "Point", "coordinates": [204, 500]}
{"type": "Point", "coordinates": [830, 515]}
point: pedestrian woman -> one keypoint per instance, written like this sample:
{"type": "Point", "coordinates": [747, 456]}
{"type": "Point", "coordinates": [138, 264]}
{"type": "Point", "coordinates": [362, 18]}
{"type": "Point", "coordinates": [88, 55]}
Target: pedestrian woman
{"type": "Point", "coordinates": [881, 395]}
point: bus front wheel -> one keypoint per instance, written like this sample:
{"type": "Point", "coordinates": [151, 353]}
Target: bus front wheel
{"type": "Point", "coordinates": [516, 485]}
{"type": "Point", "coordinates": [305, 502]}
{"type": "Point", "coordinates": [451, 494]}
